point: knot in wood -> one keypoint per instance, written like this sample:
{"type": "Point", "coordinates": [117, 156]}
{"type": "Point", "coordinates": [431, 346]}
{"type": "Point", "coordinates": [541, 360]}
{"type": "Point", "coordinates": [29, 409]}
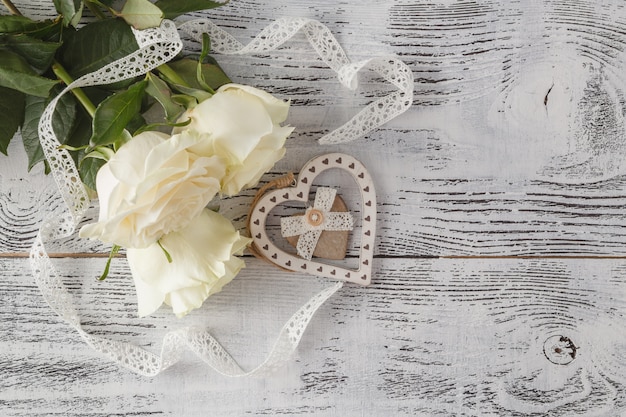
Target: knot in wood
{"type": "Point", "coordinates": [559, 350]}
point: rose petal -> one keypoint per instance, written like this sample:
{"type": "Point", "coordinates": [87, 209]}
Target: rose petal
{"type": "Point", "coordinates": [235, 121]}
{"type": "Point", "coordinates": [149, 298]}
{"type": "Point", "coordinates": [186, 299]}
{"type": "Point", "coordinates": [153, 186]}
{"type": "Point", "coordinates": [203, 262]}
{"type": "Point", "coordinates": [278, 109]}
{"type": "Point", "coordinates": [124, 164]}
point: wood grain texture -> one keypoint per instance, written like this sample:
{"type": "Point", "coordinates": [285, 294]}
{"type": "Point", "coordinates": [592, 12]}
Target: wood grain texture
{"type": "Point", "coordinates": [417, 215]}
{"type": "Point", "coordinates": [514, 148]}
{"type": "Point", "coordinates": [529, 166]}
{"type": "Point", "coordinates": [429, 337]}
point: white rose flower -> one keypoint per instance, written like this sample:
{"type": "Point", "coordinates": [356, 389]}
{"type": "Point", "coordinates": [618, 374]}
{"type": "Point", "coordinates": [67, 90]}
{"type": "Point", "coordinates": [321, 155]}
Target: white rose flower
{"type": "Point", "coordinates": [152, 186]}
{"type": "Point", "coordinates": [202, 263]}
{"type": "Point", "coordinates": [242, 124]}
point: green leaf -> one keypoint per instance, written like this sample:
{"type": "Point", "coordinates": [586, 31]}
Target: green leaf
{"type": "Point", "coordinates": [198, 94]}
{"type": "Point", "coordinates": [114, 250]}
{"type": "Point", "coordinates": [39, 54]}
{"type": "Point", "coordinates": [51, 31]}
{"type": "Point", "coordinates": [15, 73]}
{"type": "Point", "coordinates": [11, 115]}
{"type": "Point", "coordinates": [108, 3]}
{"type": "Point", "coordinates": [121, 139]}
{"type": "Point", "coordinates": [88, 170]}
{"type": "Point", "coordinates": [114, 113]}
{"type": "Point", "coordinates": [212, 74]}
{"type": "Point", "coordinates": [141, 14]}
{"type": "Point", "coordinates": [184, 100]}
{"type": "Point", "coordinates": [64, 122]}
{"type": "Point", "coordinates": [101, 152]}
{"type": "Point", "coordinates": [26, 83]}
{"type": "Point", "coordinates": [206, 47]}
{"type": "Point", "coordinates": [72, 11]}
{"type": "Point", "coordinates": [81, 131]}
{"type": "Point", "coordinates": [21, 24]}
{"type": "Point", "coordinates": [156, 126]}
{"type": "Point", "coordinates": [14, 61]}
{"type": "Point", "coordinates": [174, 8]}
{"type": "Point", "coordinates": [134, 125]}
{"type": "Point", "coordinates": [165, 252]}
{"type": "Point", "coordinates": [64, 117]}
{"type": "Point", "coordinates": [30, 135]}
{"type": "Point", "coordinates": [158, 89]}
{"type": "Point", "coordinates": [13, 24]}
{"type": "Point", "coordinates": [96, 45]}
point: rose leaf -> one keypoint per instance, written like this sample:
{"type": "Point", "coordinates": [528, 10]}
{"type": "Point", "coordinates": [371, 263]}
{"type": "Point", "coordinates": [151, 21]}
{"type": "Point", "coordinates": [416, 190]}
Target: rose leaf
{"type": "Point", "coordinates": [96, 45]}
{"type": "Point", "coordinates": [11, 115]}
{"type": "Point", "coordinates": [174, 8]}
{"type": "Point", "coordinates": [26, 83]}
{"type": "Point", "coordinates": [72, 11]}
{"type": "Point", "coordinates": [158, 89]}
{"type": "Point", "coordinates": [141, 14]}
{"type": "Point", "coordinates": [15, 73]}
{"type": "Point", "coordinates": [64, 121]}
{"type": "Point", "coordinates": [64, 116]}
{"type": "Point", "coordinates": [89, 167]}
{"type": "Point", "coordinates": [212, 74]}
{"type": "Point", "coordinates": [21, 24]}
{"type": "Point", "coordinates": [39, 54]}
{"type": "Point", "coordinates": [114, 113]}
{"type": "Point", "coordinates": [30, 135]}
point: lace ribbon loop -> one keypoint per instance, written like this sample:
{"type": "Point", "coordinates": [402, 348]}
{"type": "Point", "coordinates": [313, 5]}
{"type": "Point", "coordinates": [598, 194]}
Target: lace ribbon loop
{"type": "Point", "coordinates": [324, 43]}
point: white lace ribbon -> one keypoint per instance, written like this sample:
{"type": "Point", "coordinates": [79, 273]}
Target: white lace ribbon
{"type": "Point", "coordinates": [156, 47]}
{"type": "Point", "coordinates": [315, 220]}
{"type": "Point", "coordinates": [324, 43]}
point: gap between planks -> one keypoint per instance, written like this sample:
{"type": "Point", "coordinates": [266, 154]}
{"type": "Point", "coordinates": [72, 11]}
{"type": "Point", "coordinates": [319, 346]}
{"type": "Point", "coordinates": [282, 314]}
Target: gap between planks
{"type": "Point", "coordinates": [10, 255]}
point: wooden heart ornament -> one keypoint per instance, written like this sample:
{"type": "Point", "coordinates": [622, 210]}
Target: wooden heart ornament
{"type": "Point", "coordinates": [264, 245]}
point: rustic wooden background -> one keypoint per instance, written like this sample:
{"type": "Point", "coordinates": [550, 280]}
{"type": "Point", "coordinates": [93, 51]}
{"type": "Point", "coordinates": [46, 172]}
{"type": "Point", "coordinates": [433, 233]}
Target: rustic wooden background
{"type": "Point", "coordinates": [501, 230]}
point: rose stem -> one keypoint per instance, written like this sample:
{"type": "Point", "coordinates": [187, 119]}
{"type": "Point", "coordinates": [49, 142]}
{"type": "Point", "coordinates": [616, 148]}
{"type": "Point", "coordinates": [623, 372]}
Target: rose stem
{"type": "Point", "coordinates": [9, 5]}
{"type": "Point", "coordinates": [63, 75]}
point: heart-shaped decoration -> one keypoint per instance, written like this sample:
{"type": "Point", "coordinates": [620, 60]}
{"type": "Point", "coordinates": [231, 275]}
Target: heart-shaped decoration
{"type": "Point", "coordinates": [332, 244]}
{"type": "Point", "coordinates": [300, 192]}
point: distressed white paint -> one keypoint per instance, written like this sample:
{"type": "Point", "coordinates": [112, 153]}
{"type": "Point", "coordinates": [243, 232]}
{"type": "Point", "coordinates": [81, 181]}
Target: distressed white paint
{"type": "Point", "coordinates": [486, 163]}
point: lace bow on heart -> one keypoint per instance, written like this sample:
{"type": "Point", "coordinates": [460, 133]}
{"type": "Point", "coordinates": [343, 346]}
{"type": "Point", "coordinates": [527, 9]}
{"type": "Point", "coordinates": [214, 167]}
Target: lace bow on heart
{"type": "Point", "coordinates": [315, 220]}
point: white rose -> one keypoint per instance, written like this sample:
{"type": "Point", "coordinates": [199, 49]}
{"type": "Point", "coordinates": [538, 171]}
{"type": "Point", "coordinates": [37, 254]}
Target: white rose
{"type": "Point", "coordinates": [202, 263]}
{"type": "Point", "coordinates": [152, 186]}
{"type": "Point", "coordinates": [243, 127]}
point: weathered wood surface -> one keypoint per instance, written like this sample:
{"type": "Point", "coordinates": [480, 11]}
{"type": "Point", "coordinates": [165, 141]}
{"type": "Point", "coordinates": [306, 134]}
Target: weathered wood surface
{"type": "Point", "coordinates": [430, 337]}
{"type": "Point", "coordinates": [514, 148]}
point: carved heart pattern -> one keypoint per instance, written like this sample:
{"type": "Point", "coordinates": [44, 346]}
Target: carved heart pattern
{"type": "Point", "coordinates": [300, 192]}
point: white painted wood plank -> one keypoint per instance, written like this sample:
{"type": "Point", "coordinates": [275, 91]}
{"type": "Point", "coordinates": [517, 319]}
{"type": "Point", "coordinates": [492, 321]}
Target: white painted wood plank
{"type": "Point", "coordinates": [429, 337]}
{"type": "Point", "coordinates": [420, 213]}
{"type": "Point", "coordinates": [486, 165]}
